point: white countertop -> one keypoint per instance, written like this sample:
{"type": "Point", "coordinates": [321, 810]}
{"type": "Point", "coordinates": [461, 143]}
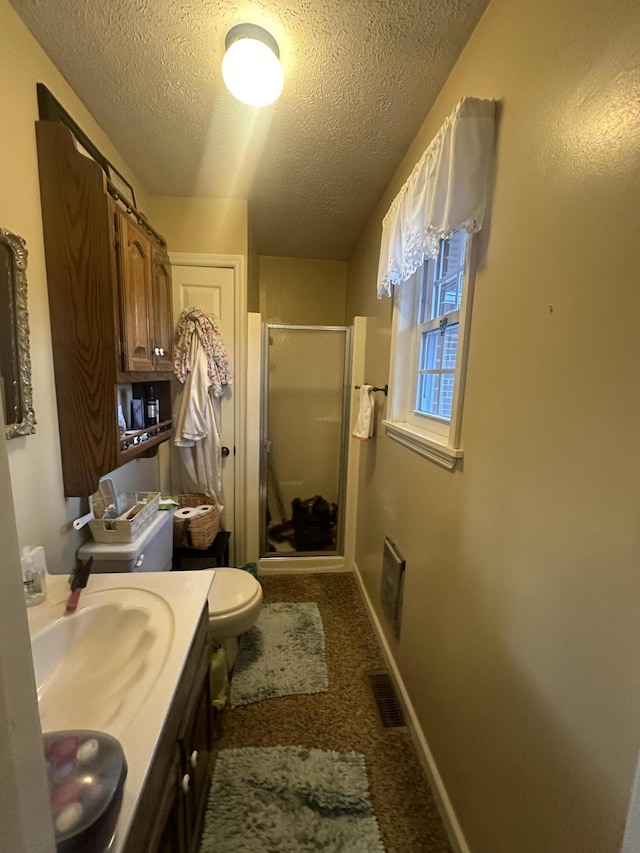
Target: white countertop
{"type": "Point", "coordinates": [186, 593]}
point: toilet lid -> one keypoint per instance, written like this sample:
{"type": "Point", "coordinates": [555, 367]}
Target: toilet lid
{"type": "Point", "coordinates": [231, 589]}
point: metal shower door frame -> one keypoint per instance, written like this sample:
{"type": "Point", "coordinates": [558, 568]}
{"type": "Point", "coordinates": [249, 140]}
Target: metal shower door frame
{"type": "Point", "coordinates": [265, 441]}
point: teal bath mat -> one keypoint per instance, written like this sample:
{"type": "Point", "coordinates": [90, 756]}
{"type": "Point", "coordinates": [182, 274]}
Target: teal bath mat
{"type": "Point", "coordinates": [282, 655]}
{"type": "Point", "coordinates": [287, 799]}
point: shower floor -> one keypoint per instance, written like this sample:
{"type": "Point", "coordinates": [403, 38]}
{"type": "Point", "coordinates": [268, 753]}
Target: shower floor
{"type": "Point", "coordinates": [312, 528]}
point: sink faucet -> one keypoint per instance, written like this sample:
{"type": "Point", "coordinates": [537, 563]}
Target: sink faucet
{"type": "Point", "coordinates": [77, 581]}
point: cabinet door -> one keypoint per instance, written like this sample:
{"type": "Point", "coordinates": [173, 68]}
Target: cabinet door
{"type": "Point", "coordinates": [197, 749]}
{"type": "Point", "coordinates": [135, 295]}
{"type": "Point", "coordinates": [168, 832]}
{"type": "Point", "coordinates": [162, 317]}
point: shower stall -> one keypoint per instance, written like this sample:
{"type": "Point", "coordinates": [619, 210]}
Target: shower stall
{"type": "Point", "coordinates": [304, 435]}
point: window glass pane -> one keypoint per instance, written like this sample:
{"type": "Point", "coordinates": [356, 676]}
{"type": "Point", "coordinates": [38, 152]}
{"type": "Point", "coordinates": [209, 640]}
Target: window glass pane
{"type": "Point", "coordinates": [438, 353]}
{"type": "Point", "coordinates": [428, 393]}
{"type": "Point", "coordinates": [450, 347]}
{"type": "Point", "coordinates": [446, 290]}
{"type": "Point", "coordinates": [438, 350]}
{"type": "Point", "coordinates": [448, 294]}
{"type": "Point", "coordinates": [446, 395]}
{"type": "Point", "coordinates": [453, 252]}
{"type": "Point", "coordinates": [435, 394]}
{"type": "Point", "coordinates": [431, 350]}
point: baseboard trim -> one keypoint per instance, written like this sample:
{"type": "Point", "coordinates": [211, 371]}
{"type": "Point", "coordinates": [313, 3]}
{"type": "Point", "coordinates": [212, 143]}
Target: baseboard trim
{"type": "Point", "coordinates": [301, 565]}
{"type": "Point", "coordinates": [445, 807]}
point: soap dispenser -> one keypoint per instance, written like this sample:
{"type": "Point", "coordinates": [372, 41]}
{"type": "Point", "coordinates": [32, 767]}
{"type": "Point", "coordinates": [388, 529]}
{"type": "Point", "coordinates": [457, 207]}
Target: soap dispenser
{"type": "Point", "coordinates": [34, 576]}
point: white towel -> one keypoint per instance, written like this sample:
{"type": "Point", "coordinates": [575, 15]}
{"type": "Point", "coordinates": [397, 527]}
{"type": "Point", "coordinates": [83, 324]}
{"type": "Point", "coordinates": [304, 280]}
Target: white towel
{"type": "Point", "coordinates": [363, 430]}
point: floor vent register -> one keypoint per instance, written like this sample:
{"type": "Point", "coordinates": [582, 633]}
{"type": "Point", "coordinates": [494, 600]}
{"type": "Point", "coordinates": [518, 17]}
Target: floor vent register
{"type": "Point", "coordinates": [386, 701]}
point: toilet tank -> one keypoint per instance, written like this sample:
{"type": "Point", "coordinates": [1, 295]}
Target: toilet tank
{"type": "Point", "coordinates": [152, 551]}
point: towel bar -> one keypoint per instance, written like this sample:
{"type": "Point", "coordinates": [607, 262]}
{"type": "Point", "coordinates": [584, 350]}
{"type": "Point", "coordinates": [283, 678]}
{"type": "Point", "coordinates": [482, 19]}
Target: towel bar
{"type": "Point", "coordinates": [385, 389]}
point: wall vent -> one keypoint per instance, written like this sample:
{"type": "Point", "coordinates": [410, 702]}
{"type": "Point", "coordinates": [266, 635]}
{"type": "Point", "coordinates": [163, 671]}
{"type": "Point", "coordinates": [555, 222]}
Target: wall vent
{"type": "Point", "coordinates": [393, 565]}
{"type": "Point", "coordinates": [386, 701]}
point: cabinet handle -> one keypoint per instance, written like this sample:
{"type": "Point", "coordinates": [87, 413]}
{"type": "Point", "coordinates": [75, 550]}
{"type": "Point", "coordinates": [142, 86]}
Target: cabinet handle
{"type": "Point", "coordinates": [194, 758]}
{"type": "Point", "coordinates": [186, 783]}
{"type": "Point", "coordinates": [157, 350]}
{"type": "Point", "coordinates": [161, 351]}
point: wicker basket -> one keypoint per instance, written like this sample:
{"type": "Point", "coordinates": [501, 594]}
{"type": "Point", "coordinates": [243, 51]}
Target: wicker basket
{"type": "Point", "coordinates": [198, 532]}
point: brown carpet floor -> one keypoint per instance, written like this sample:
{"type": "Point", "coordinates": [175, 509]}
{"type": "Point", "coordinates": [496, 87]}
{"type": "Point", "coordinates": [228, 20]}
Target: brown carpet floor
{"type": "Point", "coordinates": [346, 718]}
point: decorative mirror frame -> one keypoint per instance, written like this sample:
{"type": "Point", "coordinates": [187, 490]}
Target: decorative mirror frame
{"type": "Point", "coordinates": [18, 250]}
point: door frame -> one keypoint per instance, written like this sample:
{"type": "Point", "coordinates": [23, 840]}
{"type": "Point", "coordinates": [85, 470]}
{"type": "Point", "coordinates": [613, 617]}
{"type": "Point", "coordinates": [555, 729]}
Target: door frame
{"type": "Point", "coordinates": [238, 265]}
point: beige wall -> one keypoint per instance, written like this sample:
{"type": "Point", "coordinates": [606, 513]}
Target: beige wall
{"type": "Point", "coordinates": [253, 271]}
{"type": "Point", "coordinates": [216, 226]}
{"type": "Point", "coordinates": [302, 292]}
{"type": "Point", "coordinates": [23, 791]}
{"type": "Point", "coordinates": [43, 515]}
{"type": "Point", "coordinates": [521, 631]}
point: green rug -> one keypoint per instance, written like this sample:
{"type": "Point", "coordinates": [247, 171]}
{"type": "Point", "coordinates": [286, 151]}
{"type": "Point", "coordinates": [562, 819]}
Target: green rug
{"type": "Point", "coordinates": [282, 655]}
{"type": "Point", "coordinates": [287, 799]}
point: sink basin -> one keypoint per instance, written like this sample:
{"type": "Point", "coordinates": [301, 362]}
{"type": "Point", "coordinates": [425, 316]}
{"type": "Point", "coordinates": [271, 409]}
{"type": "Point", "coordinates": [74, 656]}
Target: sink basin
{"type": "Point", "coordinates": [94, 668]}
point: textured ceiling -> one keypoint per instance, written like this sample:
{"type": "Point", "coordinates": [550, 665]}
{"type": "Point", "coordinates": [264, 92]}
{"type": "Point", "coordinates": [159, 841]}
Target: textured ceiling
{"type": "Point", "coordinates": [360, 76]}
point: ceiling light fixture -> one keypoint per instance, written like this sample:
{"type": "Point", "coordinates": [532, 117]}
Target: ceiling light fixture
{"type": "Point", "coordinates": [251, 66]}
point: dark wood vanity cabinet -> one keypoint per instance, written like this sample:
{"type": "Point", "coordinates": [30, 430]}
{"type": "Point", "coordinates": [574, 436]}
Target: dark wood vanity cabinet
{"type": "Point", "coordinates": [171, 808]}
{"type": "Point", "coordinates": [109, 285]}
{"type": "Point", "coordinates": [171, 833]}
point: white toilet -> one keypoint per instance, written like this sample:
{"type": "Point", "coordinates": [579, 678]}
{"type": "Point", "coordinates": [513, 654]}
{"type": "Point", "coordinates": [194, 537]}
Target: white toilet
{"type": "Point", "coordinates": [235, 601]}
{"type": "Point", "coordinates": [235, 598]}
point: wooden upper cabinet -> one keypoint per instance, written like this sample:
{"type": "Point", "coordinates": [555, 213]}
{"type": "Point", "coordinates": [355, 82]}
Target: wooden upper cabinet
{"type": "Point", "coordinates": [145, 300]}
{"type": "Point", "coordinates": [162, 317]}
{"type": "Point", "coordinates": [108, 284]}
{"type": "Point", "coordinates": [134, 256]}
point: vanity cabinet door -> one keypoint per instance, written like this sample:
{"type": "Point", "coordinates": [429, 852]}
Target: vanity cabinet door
{"type": "Point", "coordinates": [171, 805]}
{"type": "Point", "coordinates": [170, 834]}
{"type": "Point", "coordinates": [162, 315]}
{"type": "Point", "coordinates": [196, 743]}
{"type": "Point", "coordinates": [134, 256]}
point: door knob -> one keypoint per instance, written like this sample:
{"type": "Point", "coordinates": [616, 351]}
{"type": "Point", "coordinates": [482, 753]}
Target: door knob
{"type": "Point", "coordinates": [225, 451]}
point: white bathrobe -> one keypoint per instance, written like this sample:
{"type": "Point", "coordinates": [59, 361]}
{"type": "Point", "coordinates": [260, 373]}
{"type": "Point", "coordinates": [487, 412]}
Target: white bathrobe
{"type": "Point", "coordinates": [197, 435]}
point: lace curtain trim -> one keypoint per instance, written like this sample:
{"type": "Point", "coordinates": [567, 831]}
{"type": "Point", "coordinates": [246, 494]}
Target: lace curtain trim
{"type": "Point", "coordinates": [445, 191]}
{"type": "Point", "coordinates": [419, 247]}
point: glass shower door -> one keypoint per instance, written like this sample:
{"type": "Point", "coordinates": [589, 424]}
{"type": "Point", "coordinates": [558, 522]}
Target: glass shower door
{"type": "Point", "coordinates": [304, 439]}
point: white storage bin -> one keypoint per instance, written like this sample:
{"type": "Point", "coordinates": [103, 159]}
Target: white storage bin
{"type": "Point", "coordinates": [130, 525]}
{"type": "Point", "coordinates": [152, 551]}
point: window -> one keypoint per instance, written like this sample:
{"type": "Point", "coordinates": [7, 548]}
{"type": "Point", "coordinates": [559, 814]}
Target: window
{"type": "Point", "coordinates": [429, 352]}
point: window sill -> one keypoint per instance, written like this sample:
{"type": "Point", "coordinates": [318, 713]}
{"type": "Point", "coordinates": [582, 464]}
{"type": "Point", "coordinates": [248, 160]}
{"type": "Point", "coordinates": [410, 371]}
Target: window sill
{"type": "Point", "coordinates": [422, 443]}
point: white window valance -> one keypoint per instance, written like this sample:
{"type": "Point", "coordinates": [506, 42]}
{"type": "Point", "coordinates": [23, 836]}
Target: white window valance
{"type": "Point", "coordinates": [446, 190]}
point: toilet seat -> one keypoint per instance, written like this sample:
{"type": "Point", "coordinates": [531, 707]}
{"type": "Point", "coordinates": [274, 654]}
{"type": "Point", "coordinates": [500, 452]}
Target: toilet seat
{"type": "Point", "coordinates": [231, 589]}
{"type": "Point", "coordinates": [235, 600]}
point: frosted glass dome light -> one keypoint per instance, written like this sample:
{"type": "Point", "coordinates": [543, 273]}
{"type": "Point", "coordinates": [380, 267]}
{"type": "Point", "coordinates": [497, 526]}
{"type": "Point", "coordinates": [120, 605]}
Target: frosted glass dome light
{"type": "Point", "coordinates": [251, 66]}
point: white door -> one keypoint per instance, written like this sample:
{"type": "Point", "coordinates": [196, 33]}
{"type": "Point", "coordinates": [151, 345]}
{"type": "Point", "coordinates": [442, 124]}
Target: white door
{"type": "Point", "coordinates": [211, 289]}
